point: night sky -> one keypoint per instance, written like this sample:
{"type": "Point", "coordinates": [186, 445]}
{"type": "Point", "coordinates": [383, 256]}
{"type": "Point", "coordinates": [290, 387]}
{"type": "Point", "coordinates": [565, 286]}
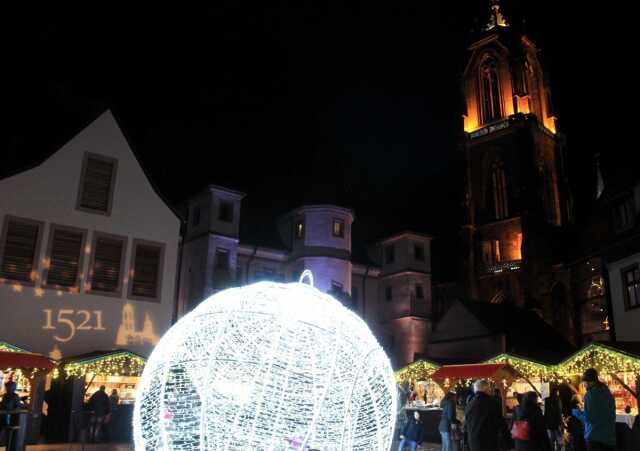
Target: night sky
{"type": "Point", "coordinates": [297, 102]}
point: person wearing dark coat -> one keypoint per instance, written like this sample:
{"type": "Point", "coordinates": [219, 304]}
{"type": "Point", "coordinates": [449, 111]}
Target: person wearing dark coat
{"type": "Point", "coordinates": [599, 416]}
{"type": "Point", "coordinates": [553, 418]}
{"type": "Point", "coordinates": [10, 401]}
{"type": "Point", "coordinates": [484, 426]}
{"type": "Point", "coordinates": [448, 420]}
{"type": "Point", "coordinates": [634, 439]}
{"type": "Point", "coordinates": [530, 412]}
{"type": "Point", "coordinates": [100, 406]}
{"type": "Point", "coordinates": [412, 434]}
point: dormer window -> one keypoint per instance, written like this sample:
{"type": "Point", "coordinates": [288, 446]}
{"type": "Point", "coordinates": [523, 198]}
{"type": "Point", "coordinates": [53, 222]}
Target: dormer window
{"type": "Point", "coordinates": [97, 182]}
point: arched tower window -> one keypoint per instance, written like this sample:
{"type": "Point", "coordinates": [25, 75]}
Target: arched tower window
{"type": "Point", "coordinates": [499, 185]}
{"type": "Point", "coordinates": [490, 102]}
{"type": "Point", "coordinates": [548, 193]}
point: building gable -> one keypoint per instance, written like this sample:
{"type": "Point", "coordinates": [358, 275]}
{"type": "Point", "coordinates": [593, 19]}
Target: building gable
{"type": "Point", "coordinates": [54, 186]}
{"type": "Point", "coordinates": [458, 322]}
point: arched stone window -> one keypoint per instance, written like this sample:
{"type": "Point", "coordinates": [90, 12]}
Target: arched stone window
{"type": "Point", "coordinates": [490, 99]}
{"type": "Point", "coordinates": [499, 186]}
{"type": "Point", "coordinates": [549, 194]}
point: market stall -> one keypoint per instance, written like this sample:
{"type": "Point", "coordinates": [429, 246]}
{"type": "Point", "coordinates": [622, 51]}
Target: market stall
{"type": "Point", "coordinates": [8, 347]}
{"type": "Point", "coordinates": [500, 375]}
{"type": "Point", "coordinates": [618, 368]}
{"type": "Point", "coordinates": [417, 386]}
{"type": "Point", "coordinates": [81, 376]}
{"type": "Point", "coordinates": [536, 375]}
{"type": "Point", "coordinates": [29, 372]}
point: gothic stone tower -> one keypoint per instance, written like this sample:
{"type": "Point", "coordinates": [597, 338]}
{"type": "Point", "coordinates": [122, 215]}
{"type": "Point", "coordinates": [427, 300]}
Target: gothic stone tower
{"type": "Point", "coordinates": [516, 196]}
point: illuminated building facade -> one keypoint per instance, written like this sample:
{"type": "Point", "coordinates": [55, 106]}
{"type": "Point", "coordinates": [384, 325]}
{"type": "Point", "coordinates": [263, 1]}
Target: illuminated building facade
{"type": "Point", "coordinates": [516, 197]}
{"type": "Point", "coordinates": [88, 250]}
{"type": "Point", "coordinates": [389, 285]}
{"type": "Point", "coordinates": [606, 278]}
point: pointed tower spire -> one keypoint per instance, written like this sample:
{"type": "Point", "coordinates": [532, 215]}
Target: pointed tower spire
{"type": "Point", "coordinates": [496, 19]}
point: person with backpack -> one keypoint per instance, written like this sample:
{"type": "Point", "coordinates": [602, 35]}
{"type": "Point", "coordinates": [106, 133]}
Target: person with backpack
{"type": "Point", "coordinates": [529, 429]}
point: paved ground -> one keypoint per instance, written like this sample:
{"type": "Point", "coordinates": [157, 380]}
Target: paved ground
{"type": "Point", "coordinates": [115, 447]}
{"type": "Point", "coordinates": [77, 447]}
{"type": "Point", "coordinates": [423, 447]}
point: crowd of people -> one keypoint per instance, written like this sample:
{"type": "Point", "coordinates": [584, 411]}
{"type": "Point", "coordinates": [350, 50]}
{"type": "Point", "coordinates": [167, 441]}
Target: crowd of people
{"type": "Point", "coordinates": [476, 422]}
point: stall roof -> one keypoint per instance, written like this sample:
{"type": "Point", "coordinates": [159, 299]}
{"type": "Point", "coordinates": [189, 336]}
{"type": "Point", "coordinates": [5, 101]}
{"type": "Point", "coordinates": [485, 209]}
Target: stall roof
{"type": "Point", "coordinates": [607, 357]}
{"type": "Point", "coordinates": [98, 355]}
{"type": "Point", "coordinates": [118, 362]}
{"type": "Point", "coordinates": [418, 370]}
{"type": "Point", "coordinates": [474, 371]}
{"type": "Point", "coordinates": [8, 347]}
{"type": "Point", "coordinates": [527, 367]}
{"type": "Point", "coordinates": [25, 360]}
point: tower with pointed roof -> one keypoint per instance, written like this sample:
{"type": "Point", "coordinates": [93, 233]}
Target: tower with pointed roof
{"type": "Point", "coordinates": [516, 194]}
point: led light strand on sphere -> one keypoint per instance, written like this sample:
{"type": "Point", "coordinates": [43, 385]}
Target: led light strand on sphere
{"type": "Point", "coordinates": [267, 366]}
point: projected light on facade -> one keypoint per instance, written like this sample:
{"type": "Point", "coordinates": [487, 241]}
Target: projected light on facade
{"type": "Point", "coordinates": [267, 366]}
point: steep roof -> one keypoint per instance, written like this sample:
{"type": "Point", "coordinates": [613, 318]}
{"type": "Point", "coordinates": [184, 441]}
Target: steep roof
{"type": "Point", "coordinates": [526, 334]}
{"type": "Point", "coordinates": [14, 168]}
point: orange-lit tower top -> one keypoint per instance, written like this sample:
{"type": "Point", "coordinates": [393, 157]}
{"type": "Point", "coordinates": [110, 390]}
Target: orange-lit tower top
{"type": "Point", "coordinates": [517, 199]}
{"type": "Point", "coordinates": [504, 77]}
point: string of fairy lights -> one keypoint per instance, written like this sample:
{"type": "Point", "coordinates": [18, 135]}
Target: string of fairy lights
{"type": "Point", "coordinates": [605, 359]}
{"type": "Point", "coordinates": [19, 375]}
{"type": "Point", "coordinates": [118, 364]}
{"type": "Point", "coordinates": [416, 371]}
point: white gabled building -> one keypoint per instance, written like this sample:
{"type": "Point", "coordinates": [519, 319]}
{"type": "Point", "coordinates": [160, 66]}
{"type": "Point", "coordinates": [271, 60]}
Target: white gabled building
{"type": "Point", "coordinates": [88, 250]}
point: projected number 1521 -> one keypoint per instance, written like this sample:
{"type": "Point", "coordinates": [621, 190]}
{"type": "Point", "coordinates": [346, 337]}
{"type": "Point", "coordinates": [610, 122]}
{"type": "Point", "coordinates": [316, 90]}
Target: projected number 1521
{"type": "Point", "coordinates": [71, 321]}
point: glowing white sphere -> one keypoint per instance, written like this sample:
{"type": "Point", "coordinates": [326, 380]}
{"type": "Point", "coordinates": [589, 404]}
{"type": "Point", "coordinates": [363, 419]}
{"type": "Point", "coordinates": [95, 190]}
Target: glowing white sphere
{"type": "Point", "coordinates": [268, 366]}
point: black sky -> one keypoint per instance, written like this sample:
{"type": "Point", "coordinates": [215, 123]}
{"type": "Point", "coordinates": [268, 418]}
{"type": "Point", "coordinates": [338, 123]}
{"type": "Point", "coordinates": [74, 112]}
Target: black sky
{"type": "Point", "coordinates": [292, 102]}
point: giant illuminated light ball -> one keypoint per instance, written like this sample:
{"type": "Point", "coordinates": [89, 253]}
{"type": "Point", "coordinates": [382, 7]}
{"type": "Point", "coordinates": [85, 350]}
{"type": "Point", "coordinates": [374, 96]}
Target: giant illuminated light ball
{"type": "Point", "coordinates": [268, 366]}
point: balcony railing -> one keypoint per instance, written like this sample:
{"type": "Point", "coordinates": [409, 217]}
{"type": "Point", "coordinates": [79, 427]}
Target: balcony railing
{"type": "Point", "coordinates": [497, 268]}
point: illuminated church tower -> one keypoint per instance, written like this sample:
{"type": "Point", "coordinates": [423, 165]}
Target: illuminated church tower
{"type": "Point", "coordinates": [516, 197]}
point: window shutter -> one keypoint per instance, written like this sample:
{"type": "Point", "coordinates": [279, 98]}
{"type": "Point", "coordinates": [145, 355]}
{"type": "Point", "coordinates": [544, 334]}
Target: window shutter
{"type": "Point", "coordinates": [146, 271]}
{"type": "Point", "coordinates": [96, 187]}
{"type": "Point", "coordinates": [19, 251]}
{"type": "Point", "coordinates": [66, 251]}
{"type": "Point", "coordinates": [107, 264]}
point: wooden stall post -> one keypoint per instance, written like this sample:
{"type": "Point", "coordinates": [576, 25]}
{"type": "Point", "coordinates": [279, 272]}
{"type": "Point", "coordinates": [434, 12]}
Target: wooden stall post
{"type": "Point", "coordinates": [503, 398]}
{"type": "Point", "coordinates": [35, 407]}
